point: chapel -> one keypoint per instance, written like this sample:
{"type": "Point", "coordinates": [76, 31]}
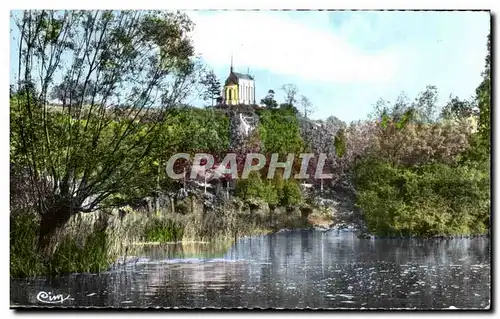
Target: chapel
{"type": "Point", "coordinates": [239, 88]}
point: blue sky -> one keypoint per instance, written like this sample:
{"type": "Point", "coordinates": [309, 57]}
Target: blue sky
{"type": "Point", "coordinates": [344, 61]}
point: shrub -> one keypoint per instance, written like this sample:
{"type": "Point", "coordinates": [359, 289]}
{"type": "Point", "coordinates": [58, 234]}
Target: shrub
{"type": "Point", "coordinates": [163, 230]}
{"type": "Point", "coordinates": [275, 191]}
{"type": "Point", "coordinates": [417, 144]}
{"type": "Point", "coordinates": [255, 187]}
{"type": "Point", "coordinates": [280, 132]}
{"type": "Point", "coordinates": [70, 256]}
{"type": "Point", "coordinates": [24, 259]}
{"type": "Point", "coordinates": [432, 199]}
{"type": "Point", "coordinates": [291, 194]}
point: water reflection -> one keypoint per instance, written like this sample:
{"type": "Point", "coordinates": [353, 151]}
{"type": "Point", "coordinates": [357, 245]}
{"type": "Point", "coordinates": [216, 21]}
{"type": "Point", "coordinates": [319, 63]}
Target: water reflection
{"type": "Point", "coordinates": [294, 269]}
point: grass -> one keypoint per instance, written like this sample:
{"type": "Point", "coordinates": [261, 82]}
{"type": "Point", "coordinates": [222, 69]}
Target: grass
{"type": "Point", "coordinates": [83, 248]}
{"type": "Point", "coordinates": [24, 259]}
{"type": "Point", "coordinates": [69, 257]}
{"type": "Point", "coordinates": [163, 231]}
{"type": "Point", "coordinates": [91, 257]}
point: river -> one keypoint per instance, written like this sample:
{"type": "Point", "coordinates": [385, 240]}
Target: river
{"type": "Point", "coordinates": [291, 269]}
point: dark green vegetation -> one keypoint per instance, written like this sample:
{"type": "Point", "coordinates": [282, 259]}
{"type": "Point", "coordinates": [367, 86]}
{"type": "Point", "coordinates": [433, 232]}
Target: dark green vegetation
{"type": "Point", "coordinates": [274, 191]}
{"type": "Point", "coordinates": [163, 231]}
{"type": "Point", "coordinates": [279, 132]}
{"type": "Point", "coordinates": [121, 116]}
{"type": "Point", "coordinates": [432, 199]}
{"type": "Point", "coordinates": [429, 177]}
{"type": "Point", "coordinates": [70, 255]}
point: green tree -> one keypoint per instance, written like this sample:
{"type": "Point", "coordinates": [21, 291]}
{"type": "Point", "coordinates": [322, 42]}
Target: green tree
{"type": "Point", "coordinates": [423, 200]}
{"type": "Point", "coordinates": [80, 154]}
{"type": "Point", "coordinates": [255, 187]}
{"type": "Point", "coordinates": [288, 108]}
{"type": "Point", "coordinates": [340, 143]}
{"type": "Point", "coordinates": [483, 96]}
{"type": "Point", "coordinates": [291, 194]}
{"type": "Point", "coordinates": [279, 131]}
{"type": "Point", "coordinates": [212, 87]}
{"type": "Point", "coordinates": [425, 106]}
{"type": "Point", "coordinates": [423, 109]}
{"type": "Point", "coordinates": [269, 100]}
{"type": "Point", "coordinates": [456, 108]}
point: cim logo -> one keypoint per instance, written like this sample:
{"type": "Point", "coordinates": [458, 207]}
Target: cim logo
{"type": "Point", "coordinates": [48, 297]}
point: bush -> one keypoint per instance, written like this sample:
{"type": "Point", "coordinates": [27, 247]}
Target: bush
{"type": "Point", "coordinates": [279, 131]}
{"type": "Point", "coordinates": [275, 191]}
{"type": "Point", "coordinates": [163, 230]}
{"type": "Point", "coordinates": [432, 199]}
{"type": "Point", "coordinates": [417, 144]}
{"type": "Point", "coordinates": [291, 193]}
{"type": "Point", "coordinates": [24, 258]}
{"type": "Point", "coordinates": [255, 187]}
{"type": "Point", "coordinates": [70, 256]}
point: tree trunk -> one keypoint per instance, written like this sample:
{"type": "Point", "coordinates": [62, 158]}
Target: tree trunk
{"type": "Point", "coordinates": [52, 222]}
{"type": "Point", "coordinates": [157, 191]}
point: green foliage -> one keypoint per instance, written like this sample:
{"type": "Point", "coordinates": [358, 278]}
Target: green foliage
{"type": "Point", "coordinates": [269, 100]}
{"type": "Point", "coordinates": [457, 109]}
{"type": "Point", "coordinates": [279, 131]}
{"type": "Point", "coordinates": [433, 199]}
{"type": "Point", "coordinates": [96, 159]}
{"type": "Point", "coordinates": [340, 143]}
{"type": "Point", "coordinates": [291, 194]}
{"type": "Point", "coordinates": [289, 108]}
{"type": "Point", "coordinates": [479, 154]}
{"type": "Point", "coordinates": [212, 87]}
{"type": "Point", "coordinates": [275, 191]}
{"type": "Point", "coordinates": [192, 130]}
{"type": "Point", "coordinates": [69, 257]}
{"type": "Point", "coordinates": [24, 259]}
{"type": "Point", "coordinates": [92, 257]}
{"type": "Point", "coordinates": [385, 120]}
{"type": "Point", "coordinates": [483, 96]}
{"type": "Point", "coordinates": [255, 187]}
{"type": "Point", "coordinates": [423, 109]}
{"type": "Point", "coordinates": [87, 147]}
{"type": "Point", "coordinates": [187, 130]}
{"type": "Point", "coordinates": [163, 230]}
{"type": "Point", "coordinates": [425, 177]}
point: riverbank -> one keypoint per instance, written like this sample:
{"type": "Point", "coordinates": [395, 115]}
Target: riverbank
{"type": "Point", "coordinates": [434, 237]}
{"type": "Point", "coordinates": [91, 242]}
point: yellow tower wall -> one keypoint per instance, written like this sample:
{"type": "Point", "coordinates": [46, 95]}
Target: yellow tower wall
{"type": "Point", "coordinates": [233, 89]}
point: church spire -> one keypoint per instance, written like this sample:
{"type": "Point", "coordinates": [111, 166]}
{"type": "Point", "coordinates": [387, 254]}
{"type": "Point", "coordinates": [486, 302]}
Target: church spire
{"type": "Point", "coordinates": [231, 63]}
